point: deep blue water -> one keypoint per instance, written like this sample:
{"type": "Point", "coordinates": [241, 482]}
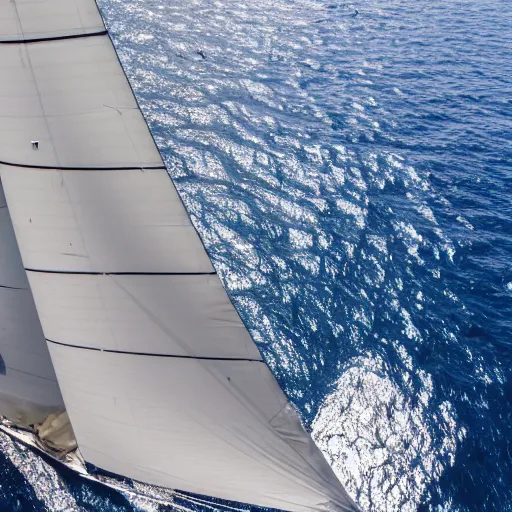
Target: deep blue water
{"type": "Point", "coordinates": [349, 166]}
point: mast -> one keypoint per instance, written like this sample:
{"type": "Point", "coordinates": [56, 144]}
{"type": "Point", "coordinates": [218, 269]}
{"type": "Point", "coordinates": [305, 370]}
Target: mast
{"type": "Point", "coordinates": [161, 380]}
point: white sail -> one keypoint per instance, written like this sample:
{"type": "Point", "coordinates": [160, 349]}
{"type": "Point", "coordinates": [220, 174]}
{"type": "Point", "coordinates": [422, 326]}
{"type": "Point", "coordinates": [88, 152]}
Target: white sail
{"type": "Point", "coordinates": [33, 19]}
{"type": "Point", "coordinates": [28, 386]}
{"type": "Point", "coordinates": [160, 378]}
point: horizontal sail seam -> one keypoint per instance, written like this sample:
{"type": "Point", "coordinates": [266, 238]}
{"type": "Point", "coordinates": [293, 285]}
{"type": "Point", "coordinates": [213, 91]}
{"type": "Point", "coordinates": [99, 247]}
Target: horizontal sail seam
{"type": "Point", "coordinates": [12, 287]}
{"type": "Point", "coordinates": [149, 354]}
{"type": "Point", "coordinates": [54, 38]}
{"type": "Point", "coordinates": [92, 273]}
{"type": "Point", "coordinates": [67, 168]}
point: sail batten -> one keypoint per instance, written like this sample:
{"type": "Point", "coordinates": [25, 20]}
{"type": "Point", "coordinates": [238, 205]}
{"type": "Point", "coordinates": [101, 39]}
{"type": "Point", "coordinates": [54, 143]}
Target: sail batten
{"type": "Point", "coordinates": [160, 377]}
{"type": "Point", "coordinates": [82, 168]}
{"type": "Point", "coordinates": [54, 38]}
{"type": "Point", "coordinates": [155, 354]}
{"type": "Point", "coordinates": [92, 273]}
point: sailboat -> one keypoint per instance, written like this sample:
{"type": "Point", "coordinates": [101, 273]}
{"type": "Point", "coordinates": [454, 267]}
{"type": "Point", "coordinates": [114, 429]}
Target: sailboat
{"type": "Point", "coordinates": [119, 347]}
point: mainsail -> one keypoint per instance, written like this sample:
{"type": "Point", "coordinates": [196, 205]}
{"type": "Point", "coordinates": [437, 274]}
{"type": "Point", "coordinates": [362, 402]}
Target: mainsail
{"type": "Point", "coordinates": [160, 378]}
{"type": "Point", "coordinates": [28, 386]}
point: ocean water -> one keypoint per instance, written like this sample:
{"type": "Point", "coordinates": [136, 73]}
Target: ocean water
{"type": "Point", "coordinates": [349, 166]}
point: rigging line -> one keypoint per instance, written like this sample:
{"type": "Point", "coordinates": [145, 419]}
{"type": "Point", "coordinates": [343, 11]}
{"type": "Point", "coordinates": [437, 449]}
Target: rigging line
{"type": "Point", "coordinates": [92, 273]}
{"type": "Point", "coordinates": [210, 504]}
{"type": "Point", "coordinates": [54, 38]}
{"type": "Point", "coordinates": [66, 168]}
{"type": "Point", "coordinates": [182, 495]}
{"type": "Point", "coordinates": [149, 354]}
{"type": "Point", "coordinates": [31, 374]}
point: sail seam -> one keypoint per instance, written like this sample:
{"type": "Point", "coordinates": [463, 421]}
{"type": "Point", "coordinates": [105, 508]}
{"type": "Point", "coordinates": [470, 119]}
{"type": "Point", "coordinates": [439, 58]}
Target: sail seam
{"type": "Point", "coordinates": [69, 168]}
{"type": "Point", "coordinates": [150, 354]}
{"type": "Point", "coordinates": [92, 273]}
{"type": "Point", "coordinates": [54, 38]}
{"type": "Point", "coordinates": [12, 287]}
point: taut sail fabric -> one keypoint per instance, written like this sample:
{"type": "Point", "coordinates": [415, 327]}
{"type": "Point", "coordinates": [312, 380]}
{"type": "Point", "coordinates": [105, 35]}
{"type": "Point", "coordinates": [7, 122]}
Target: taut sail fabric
{"type": "Point", "coordinates": [28, 386]}
{"type": "Point", "coordinates": [37, 19]}
{"type": "Point", "coordinates": [160, 378]}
